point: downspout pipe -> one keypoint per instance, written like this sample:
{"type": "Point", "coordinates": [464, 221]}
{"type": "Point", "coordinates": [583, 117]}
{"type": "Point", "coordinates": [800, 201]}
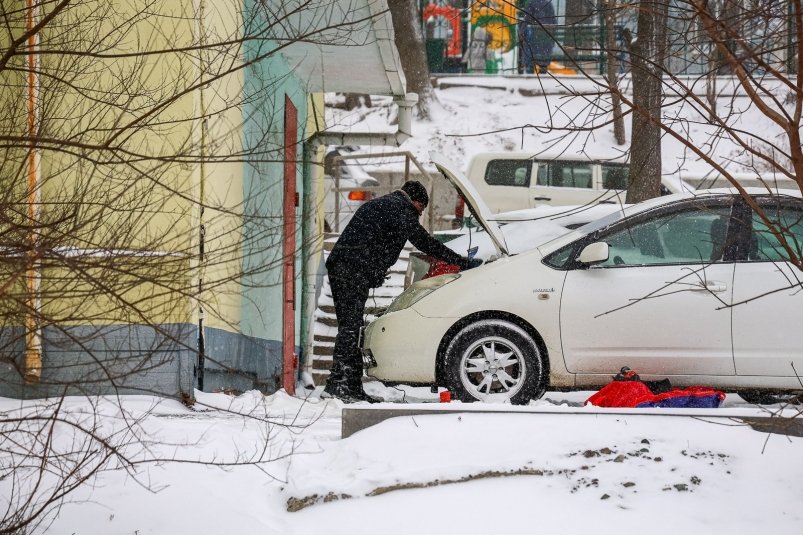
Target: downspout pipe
{"type": "Point", "coordinates": [33, 329]}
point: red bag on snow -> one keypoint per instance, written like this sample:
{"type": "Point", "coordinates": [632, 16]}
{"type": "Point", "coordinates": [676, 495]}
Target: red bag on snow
{"type": "Point", "coordinates": [621, 394]}
{"type": "Point", "coordinates": [628, 391]}
{"type": "Point", "coordinates": [692, 397]}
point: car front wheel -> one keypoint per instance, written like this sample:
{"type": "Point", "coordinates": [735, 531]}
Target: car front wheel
{"type": "Point", "coordinates": [495, 360]}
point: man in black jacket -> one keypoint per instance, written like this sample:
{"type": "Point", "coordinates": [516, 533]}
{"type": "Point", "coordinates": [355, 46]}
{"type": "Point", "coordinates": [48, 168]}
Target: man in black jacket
{"type": "Point", "coordinates": [369, 245]}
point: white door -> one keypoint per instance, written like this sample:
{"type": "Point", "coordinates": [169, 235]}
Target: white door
{"type": "Point", "coordinates": [659, 303]}
{"type": "Point", "coordinates": [768, 299]}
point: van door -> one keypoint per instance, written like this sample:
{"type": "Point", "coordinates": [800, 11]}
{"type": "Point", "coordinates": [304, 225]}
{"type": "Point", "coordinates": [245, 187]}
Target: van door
{"type": "Point", "coordinates": [506, 184]}
{"type": "Point", "coordinates": [560, 182]}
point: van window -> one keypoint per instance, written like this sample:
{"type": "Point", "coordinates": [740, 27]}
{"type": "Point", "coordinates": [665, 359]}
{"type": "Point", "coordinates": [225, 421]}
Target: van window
{"type": "Point", "coordinates": [615, 176]}
{"type": "Point", "coordinates": [508, 173]}
{"type": "Point", "coordinates": [565, 174]}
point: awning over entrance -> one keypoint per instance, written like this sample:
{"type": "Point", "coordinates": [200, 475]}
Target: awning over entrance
{"type": "Point", "coordinates": [346, 45]}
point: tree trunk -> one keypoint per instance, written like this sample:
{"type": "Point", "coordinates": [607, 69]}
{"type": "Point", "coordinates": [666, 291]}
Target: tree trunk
{"type": "Point", "coordinates": [410, 43]}
{"type": "Point", "coordinates": [613, 66]}
{"type": "Point", "coordinates": [647, 54]}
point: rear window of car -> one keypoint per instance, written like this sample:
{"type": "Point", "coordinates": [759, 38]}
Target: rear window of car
{"type": "Point", "coordinates": [508, 173]}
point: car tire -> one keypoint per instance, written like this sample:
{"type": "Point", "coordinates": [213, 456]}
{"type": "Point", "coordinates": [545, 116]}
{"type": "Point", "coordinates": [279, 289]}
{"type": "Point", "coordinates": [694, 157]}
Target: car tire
{"type": "Point", "coordinates": [495, 360]}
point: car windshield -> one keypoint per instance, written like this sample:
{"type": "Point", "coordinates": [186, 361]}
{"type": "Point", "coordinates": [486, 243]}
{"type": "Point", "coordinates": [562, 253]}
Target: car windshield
{"type": "Point", "coordinates": [588, 228]}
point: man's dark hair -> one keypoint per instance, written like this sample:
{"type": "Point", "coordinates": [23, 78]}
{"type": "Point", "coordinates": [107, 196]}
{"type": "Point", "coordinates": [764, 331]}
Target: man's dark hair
{"type": "Point", "coordinates": [416, 191]}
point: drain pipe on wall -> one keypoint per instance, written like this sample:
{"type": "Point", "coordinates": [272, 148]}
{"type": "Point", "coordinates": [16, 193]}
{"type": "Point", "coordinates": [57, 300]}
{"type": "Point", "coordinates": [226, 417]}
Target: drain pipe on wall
{"type": "Point", "coordinates": [312, 241]}
{"type": "Point", "coordinates": [33, 275]}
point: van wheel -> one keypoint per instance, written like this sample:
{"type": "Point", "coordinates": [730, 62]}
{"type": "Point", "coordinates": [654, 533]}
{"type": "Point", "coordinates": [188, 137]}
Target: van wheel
{"type": "Point", "coordinates": [497, 361]}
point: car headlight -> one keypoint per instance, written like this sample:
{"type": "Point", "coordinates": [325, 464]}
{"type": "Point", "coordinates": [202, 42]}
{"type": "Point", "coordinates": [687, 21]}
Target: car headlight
{"type": "Point", "coordinates": [419, 290]}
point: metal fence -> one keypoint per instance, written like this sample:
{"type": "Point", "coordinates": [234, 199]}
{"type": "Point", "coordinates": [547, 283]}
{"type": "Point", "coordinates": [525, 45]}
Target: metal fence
{"type": "Point", "coordinates": [582, 31]}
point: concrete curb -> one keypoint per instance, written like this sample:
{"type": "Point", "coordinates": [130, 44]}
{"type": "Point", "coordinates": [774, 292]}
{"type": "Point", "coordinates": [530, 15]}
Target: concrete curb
{"type": "Point", "coordinates": [784, 422]}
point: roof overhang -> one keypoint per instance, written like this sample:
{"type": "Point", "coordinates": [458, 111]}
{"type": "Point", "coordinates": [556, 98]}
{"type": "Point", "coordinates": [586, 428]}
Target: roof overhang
{"type": "Point", "coordinates": [341, 45]}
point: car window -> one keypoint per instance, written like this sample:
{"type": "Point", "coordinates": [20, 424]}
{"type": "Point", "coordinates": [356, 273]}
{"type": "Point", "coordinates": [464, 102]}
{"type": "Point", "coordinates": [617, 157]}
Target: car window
{"type": "Point", "coordinates": [687, 237]}
{"type": "Point", "coordinates": [565, 174]}
{"type": "Point", "coordinates": [615, 176]}
{"type": "Point", "coordinates": [508, 173]}
{"type": "Point", "coordinates": [765, 246]}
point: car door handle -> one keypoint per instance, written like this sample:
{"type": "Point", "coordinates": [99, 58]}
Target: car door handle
{"type": "Point", "coordinates": [710, 286]}
{"type": "Point", "coordinates": [542, 198]}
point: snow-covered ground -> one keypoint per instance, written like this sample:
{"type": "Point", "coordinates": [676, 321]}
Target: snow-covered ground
{"type": "Point", "coordinates": [551, 115]}
{"type": "Point", "coordinates": [469, 473]}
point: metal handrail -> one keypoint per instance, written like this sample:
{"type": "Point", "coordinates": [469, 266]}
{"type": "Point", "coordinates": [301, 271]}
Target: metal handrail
{"type": "Point", "coordinates": [430, 221]}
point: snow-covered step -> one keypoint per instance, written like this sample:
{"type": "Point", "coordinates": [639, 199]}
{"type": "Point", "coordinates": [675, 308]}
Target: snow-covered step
{"type": "Point", "coordinates": [325, 327]}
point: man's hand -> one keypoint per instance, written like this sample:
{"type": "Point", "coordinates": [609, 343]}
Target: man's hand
{"type": "Point", "coordinates": [470, 263]}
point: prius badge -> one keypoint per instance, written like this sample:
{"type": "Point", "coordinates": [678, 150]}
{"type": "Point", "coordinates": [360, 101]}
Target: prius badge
{"type": "Point", "coordinates": [543, 293]}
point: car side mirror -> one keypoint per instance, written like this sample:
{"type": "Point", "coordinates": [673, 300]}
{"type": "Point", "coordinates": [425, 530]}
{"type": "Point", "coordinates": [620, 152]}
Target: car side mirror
{"type": "Point", "coordinates": [594, 253]}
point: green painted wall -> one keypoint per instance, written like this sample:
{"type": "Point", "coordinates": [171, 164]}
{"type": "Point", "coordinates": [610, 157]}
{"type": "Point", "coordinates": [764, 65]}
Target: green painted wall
{"type": "Point", "coordinates": [267, 80]}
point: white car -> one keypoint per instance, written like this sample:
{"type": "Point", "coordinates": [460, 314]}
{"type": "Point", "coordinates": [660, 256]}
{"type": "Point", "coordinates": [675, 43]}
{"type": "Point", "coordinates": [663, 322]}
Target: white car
{"type": "Point", "coordinates": [690, 287]}
{"type": "Point", "coordinates": [348, 186]}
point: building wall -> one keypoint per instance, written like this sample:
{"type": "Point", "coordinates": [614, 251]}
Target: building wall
{"type": "Point", "coordinates": [165, 182]}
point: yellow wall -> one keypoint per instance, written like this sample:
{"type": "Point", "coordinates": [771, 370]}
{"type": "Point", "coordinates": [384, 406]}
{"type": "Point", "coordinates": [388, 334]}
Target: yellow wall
{"type": "Point", "coordinates": [220, 180]}
{"type": "Point", "coordinates": [124, 112]}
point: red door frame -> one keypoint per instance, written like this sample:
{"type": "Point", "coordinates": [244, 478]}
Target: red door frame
{"type": "Point", "coordinates": [289, 248]}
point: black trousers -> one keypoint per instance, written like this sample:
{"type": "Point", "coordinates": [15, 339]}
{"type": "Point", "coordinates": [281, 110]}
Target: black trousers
{"type": "Point", "coordinates": [350, 292]}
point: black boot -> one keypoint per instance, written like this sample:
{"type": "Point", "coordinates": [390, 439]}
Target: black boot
{"type": "Point", "coordinates": [356, 388]}
{"type": "Point", "coordinates": [346, 385]}
{"type": "Point", "coordinates": [346, 392]}
{"type": "Point", "coordinates": [345, 376]}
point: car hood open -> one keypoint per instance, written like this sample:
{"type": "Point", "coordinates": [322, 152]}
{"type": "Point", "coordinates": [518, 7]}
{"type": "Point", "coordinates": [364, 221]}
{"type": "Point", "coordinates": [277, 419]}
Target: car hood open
{"type": "Point", "coordinates": [475, 203]}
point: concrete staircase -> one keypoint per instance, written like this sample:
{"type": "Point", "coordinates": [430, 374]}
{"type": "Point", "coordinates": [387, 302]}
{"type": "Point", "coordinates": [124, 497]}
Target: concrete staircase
{"type": "Point", "coordinates": [325, 326]}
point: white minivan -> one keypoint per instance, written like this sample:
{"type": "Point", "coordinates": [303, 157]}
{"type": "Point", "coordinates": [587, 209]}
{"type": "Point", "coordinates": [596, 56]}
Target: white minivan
{"type": "Point", "coordinates": [509, 181]}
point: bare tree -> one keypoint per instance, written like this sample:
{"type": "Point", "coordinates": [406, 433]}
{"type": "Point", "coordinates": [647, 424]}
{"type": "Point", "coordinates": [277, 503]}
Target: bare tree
{"type": "Point", "coordinates": [612, 65]}
{"type": "Point", "coordinates": [749, 50]}
{"type": "Point", "coordinates": [647, 51]}
{"type": "Point", "coordinates": [410, 43]}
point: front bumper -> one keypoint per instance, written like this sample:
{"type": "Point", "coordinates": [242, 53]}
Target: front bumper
{"type": "Point", "coordinates": [404, 345]}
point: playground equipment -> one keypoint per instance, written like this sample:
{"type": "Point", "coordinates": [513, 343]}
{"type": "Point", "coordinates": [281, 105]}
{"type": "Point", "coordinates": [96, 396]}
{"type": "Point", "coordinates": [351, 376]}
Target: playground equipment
{"type": "Point", "coordinates": [499, 19]}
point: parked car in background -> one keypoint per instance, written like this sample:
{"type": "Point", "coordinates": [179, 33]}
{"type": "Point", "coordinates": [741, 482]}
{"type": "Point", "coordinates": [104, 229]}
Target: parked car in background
{"type": "Point", "coordinates": [517, 180]}
{"type": "Point", "coordinates": [691, 287]}
{"type": "Point", "coordinates": [348, 186]}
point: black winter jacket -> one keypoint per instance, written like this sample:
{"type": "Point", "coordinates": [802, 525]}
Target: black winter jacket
{"type": "Point", "coordinates": [372, 241]}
